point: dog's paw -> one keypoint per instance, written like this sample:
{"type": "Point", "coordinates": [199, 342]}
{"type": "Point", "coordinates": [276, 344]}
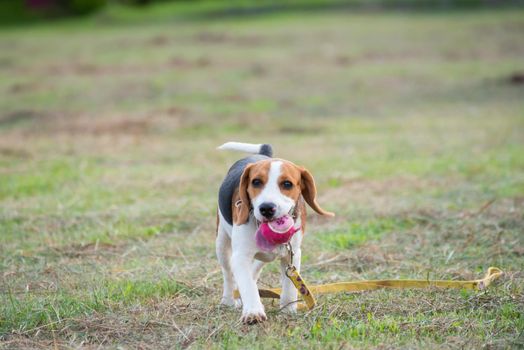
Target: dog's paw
{"type": "Point", "coordinates": [253, 316]}
{"type": "Point", "coordinates": [236, 303]}
{"type": "Point", "coordinates": [289, 308]}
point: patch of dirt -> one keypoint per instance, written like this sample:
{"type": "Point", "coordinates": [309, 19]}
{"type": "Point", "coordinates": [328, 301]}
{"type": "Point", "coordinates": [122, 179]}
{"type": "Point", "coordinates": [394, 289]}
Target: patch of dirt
{"type": "Point", "coordinates": [20, 88]}
{"type": "Point", "coordinates": [74, 125]}
{"type": "Point", "coordinates": [388, 57]}
{"type": "Point", "coordinates": [105, 127]}
{"type": "Point", "coordinates": [516, 78]}
{"type": "Point", "coordinates": [216, 38]}
{"type": "Point", "coordinates": [210, 37]}
{"type": "Point", "coordinates": [6, 62]}
{"type": "Point", "coordinates": [235, 98]}
{"type": "Point", "coordinates": [20, 341]}
{"type": "Point", "coordinates": [18, 116]}
{"type": "Point", "coordinates": [258, 70]}
{"type": "Point", "coordinates": [180, 62]}
{"type": "Point", "coordinates": [343, 60]}
{"type": "Point", "coordinates": [175, 111]}
{"type": "Point", "coordinates": [78, 250]}
{"type": "Point", "coordinates": [76, 68]}
{"type": "Point", "coordinates": [158, 41]}
{"type": "Point", "coordinates": [87, 69]}
{"type": "Point", "coordinates": [14, 152]}
{"type": "Point", "coordinates": [377, 193]}
{"type": "Point", "coordinates": [300, 130]}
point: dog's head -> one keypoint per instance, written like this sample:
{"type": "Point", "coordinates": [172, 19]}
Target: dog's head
{"type": "Point", "coordinates": [273, 187]}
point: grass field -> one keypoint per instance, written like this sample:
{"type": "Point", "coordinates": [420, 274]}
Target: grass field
{"type": "Point", "coordinates": [412, 123]}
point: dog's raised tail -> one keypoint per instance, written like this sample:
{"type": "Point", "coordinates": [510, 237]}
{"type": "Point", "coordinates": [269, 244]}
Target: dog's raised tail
{"type": "Point", "coordinates": [261, 148]}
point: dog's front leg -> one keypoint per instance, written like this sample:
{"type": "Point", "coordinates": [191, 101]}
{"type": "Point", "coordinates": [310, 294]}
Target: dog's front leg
{"type": "Point", "coordinates": [242, 264]}
{"type": "Point", "coordinates": [289, 296]}
{"type": "Point", "coordinates": [252, 308]}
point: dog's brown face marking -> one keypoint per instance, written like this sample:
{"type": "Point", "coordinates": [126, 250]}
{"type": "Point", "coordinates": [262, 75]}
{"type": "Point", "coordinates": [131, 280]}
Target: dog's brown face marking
{"type": "Point", "coordinates": [258, 176]}
{"type": "Point", "coordinates": [289, 180]}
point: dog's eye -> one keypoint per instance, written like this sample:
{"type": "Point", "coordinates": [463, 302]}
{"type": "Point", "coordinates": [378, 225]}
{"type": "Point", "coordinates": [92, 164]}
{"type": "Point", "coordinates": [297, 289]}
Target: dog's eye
{"type": "Point", "coordinates": [287, 185]}
{"type": "Point", "coordinates": [256, 183]}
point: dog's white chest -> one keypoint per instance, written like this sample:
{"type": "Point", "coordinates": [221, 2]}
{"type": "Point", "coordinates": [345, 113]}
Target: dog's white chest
{"type": "Point", "coordinates": [278, 252]}
{"type": "Point", "coordinates": [265, 257]}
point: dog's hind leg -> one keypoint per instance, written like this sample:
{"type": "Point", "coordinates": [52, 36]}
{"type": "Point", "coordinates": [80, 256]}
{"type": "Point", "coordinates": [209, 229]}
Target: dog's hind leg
{"type": "Point", "coordinates": [223, 250]}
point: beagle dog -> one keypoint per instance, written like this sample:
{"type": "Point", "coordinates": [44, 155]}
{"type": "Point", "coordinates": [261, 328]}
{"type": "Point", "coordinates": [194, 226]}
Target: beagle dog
{"type": "Point", "coordinates": [259, 189]}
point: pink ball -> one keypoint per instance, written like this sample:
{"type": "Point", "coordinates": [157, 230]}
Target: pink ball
{"type": "Point", "coordinates": [278, 231]}
{"type": "Point", "coordinates": [282, 224]}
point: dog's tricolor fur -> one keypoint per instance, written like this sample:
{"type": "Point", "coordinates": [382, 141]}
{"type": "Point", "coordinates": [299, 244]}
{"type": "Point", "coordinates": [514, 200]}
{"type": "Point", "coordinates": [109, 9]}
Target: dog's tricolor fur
{"type": "Point", "coordinates": [251, 183]}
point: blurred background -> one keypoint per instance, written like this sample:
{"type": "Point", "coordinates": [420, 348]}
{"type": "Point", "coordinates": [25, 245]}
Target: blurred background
{"type": "Point", "coordinates": [410, 115]}
{"type": "Point", "coordinates": [17, 11]}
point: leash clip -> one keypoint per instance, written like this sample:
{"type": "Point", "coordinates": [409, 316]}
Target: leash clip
{"type": "Point", "coordinates": [290, 269]}
{"type": "Point", "coordinates": [290, 255]}
{"type": "Point", "coordinates": [301, 286]}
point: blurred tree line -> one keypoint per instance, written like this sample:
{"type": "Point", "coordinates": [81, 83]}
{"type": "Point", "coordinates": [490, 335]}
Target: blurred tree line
{"type": "Point", "coordinates": [73, 7]}
{"type": "Point", "coordinates": [31, 9]}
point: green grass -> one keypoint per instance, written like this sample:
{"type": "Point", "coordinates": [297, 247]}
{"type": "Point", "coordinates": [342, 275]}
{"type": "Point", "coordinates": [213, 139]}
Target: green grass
{"type": "Point", "coordinates": [409, 122]}
{"type": "Point", "coordinates": [357, 233]}
{"type": "Point", "coordinates": [33, 311]}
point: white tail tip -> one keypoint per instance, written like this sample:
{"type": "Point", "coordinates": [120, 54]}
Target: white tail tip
{"type": "Point", "coordinates": [260, 148]}
{"type": "Point", "coordinates": [242, 147]}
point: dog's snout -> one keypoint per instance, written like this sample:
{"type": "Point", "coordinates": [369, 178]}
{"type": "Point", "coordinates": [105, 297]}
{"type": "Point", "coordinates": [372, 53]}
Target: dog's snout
{"type": "Point", "coordinates": [267, 209]}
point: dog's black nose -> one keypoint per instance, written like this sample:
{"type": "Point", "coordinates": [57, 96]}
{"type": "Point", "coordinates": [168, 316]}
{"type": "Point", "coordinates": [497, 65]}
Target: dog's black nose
{"type": "Point", "coordinates": [267, 209]}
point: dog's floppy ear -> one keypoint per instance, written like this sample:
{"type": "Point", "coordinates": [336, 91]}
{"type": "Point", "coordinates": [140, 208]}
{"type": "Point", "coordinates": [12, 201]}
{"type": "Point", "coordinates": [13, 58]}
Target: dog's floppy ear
{"type": "Point", "coordinates": [245, 206]}
{"type": "Point", "coordinates": [309, 192]}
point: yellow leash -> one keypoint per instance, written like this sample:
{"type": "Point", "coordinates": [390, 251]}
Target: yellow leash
{"type": "Point", "coordinates": [307, 293]}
